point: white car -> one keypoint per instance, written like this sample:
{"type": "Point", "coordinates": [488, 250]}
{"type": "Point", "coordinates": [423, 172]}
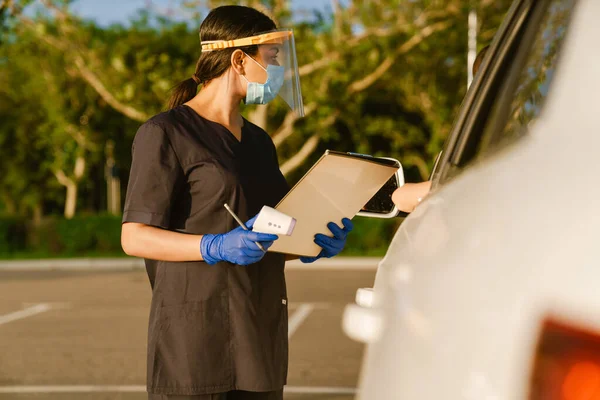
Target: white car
{"type": "Point", "coordinates": [490, 289]}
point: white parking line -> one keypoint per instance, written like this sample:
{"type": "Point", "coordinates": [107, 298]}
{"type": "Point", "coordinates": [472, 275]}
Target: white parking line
{"type": "Point", "coordinates": [141, 388]}
{"type": "Point", "coordinates": [298, 317]}
{"type": "Point", "coordinates": [27, 312]}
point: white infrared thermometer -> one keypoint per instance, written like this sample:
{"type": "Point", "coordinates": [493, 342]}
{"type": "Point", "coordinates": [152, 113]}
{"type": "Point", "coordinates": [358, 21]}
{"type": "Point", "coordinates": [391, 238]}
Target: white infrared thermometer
{"type": "Point", "coordinates": [270, 220]}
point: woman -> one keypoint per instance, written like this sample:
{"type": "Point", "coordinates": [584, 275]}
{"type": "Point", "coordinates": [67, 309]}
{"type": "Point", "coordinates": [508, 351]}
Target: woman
{"type": "Point", "coordinates": [218, 318]}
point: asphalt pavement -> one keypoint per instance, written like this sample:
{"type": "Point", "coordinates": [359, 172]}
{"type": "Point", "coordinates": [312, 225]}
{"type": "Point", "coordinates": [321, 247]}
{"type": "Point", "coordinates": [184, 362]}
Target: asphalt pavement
{"type": "Point", "coordinates": [81, 334]}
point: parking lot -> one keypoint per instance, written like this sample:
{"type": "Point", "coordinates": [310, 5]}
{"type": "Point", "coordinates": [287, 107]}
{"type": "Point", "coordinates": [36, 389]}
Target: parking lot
{"type": "Point", "coordinates": [82, 335]}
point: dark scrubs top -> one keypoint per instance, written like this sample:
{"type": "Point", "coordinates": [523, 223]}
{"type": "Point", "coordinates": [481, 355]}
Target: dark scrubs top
{"type": "Point", "coordinates": [212, 328]}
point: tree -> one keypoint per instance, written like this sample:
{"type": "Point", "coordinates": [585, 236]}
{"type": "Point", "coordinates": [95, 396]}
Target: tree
{"type": "Point", "coordinates": [386, 34]}
{"type": "Point", "coordinates": [53, 117]}
{"type": "Point", "coordinates": [382, 76]}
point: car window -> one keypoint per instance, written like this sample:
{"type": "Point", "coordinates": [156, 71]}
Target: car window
{"type": "Point", "coordinates": [525, 64]}
{"type": "Point", "coordinates": [463, 144]}
{"type": "Point", "coordinates": [529, 81]}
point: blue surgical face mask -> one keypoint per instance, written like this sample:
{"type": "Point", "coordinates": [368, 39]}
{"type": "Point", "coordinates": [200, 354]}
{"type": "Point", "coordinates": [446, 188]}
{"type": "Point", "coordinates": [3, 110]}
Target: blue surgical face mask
{"type": "Point", "coordinates": [262, 93]}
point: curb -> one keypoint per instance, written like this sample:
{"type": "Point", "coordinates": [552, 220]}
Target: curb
{"type": "Point", "coordinates": [337, 263]}
{"type": "Point", "coordinates": [132, 263]}
{"type": "Point", "coordinates": [74, 264]}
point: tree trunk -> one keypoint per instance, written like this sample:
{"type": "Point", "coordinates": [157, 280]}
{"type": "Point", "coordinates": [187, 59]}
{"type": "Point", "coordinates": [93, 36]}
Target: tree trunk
{"type": "Point", "coordinates": [71, 186]}
{"type": "Point", "coordinates": [9, 204]}
{"type": "Point", "coordinates": [309, 146]}
{"type": "Point", "coordinates": [71, 202]}
{"type": "Point", "coordinates": [37, 214]}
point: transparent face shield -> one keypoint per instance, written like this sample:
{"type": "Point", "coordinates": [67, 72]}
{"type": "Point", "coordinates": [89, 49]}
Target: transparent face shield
{"type": "Point", "coordinates": [274, 48]}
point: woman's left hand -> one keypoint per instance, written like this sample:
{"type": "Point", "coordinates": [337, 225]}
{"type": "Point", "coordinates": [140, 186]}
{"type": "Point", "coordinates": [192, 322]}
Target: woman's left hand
{"type": "Point", "coordinates": [332, 246]}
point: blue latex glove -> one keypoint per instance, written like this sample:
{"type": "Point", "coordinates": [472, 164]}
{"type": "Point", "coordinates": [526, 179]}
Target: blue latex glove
{"type": "Point", "coordinates": [332, 246]}
{"type": "Point", "coordinates": [237, 246]}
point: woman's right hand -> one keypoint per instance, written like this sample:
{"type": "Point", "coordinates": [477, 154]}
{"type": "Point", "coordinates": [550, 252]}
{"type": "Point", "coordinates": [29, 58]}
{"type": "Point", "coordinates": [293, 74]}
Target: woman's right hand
{"type": "Point", "coordinates": [237, 246]}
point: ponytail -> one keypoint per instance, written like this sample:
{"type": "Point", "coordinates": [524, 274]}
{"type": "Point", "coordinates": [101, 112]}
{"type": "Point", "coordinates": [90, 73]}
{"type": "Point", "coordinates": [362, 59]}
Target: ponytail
{"type": "Point", "coordinates": [184, 92]}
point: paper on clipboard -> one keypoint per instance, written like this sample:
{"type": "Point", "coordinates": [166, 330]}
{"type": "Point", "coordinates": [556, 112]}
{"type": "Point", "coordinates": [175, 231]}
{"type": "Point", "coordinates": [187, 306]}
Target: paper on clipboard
{"type": "Point", "coordinates": [337, 186]}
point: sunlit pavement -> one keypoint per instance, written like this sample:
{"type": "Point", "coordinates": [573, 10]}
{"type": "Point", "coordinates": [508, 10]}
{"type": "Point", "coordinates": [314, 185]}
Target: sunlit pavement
{"type": "Point", "coordinates": [82, 335]}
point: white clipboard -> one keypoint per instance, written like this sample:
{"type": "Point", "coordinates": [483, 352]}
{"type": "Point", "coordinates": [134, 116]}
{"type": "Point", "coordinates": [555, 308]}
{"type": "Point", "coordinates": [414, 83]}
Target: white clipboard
{"type": "Point", "coordinates": [337, 186]}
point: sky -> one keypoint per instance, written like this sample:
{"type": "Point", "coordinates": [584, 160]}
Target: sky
{"type": "Point", "coordinates": [110, 11]}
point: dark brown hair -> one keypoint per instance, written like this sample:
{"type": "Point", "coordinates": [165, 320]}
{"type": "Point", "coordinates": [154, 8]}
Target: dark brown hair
{"type": "Point", "coordinates": [222, 23]}
{"type": "Point", "coordinates": [479, 59]}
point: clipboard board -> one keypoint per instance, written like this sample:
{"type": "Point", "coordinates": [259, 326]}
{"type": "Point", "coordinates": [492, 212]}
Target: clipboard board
{"type": "Point", "coordinates": [337, 186]}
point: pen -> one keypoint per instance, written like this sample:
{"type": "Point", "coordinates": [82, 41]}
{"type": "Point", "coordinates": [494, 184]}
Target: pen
{"type": "Point", "coordinates": [240, 223]}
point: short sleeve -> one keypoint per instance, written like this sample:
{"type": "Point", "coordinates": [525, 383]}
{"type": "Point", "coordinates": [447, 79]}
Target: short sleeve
{"type": "Point", "coordinates": [153, 179]}
{"type": "Point", "coordinates": [283, 187]}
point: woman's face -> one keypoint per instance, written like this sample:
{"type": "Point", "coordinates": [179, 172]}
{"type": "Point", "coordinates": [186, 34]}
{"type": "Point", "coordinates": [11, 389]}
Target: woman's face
{"type": "Point", "coordinates": [267, 54]}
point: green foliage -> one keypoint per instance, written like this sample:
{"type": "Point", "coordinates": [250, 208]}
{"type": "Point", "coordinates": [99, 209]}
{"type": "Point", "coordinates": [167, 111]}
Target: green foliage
{"type": "Point", "coordinates": [89, 233]}
{"type": "Point", "coordinates": [13, 234]}
{"type": "Point", "coordinates": [53, 113]}
{"type": "Point", "coordinates": [404, 110]}
{"type": "Point", "coordinates": [58, 237]}
{"type": "Point", "coordinates": [370, 236]}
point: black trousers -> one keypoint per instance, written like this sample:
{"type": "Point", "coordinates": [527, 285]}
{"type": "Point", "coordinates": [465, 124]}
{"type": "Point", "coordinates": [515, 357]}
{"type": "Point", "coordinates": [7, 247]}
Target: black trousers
{"type": "Point", "coordinates": [233, 395]}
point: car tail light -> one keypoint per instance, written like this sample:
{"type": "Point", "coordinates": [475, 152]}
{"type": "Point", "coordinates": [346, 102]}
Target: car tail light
{"type": "Point", "coordinates": [567, 364]}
